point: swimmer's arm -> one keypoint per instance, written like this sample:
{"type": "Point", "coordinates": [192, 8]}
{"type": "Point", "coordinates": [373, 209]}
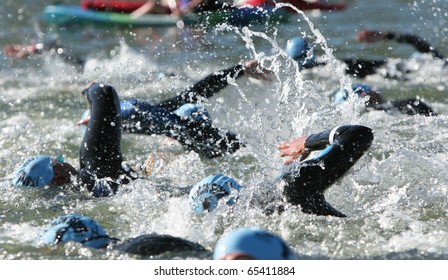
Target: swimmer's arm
{"type": "Point", "coordinates": [370, 36]}
{"type": "Point", "coordinates": [417, 42]}
{"type": "Point", "coordinates": [302, 146]}
{"type": "Point", "coordinates": [22, 51]}
{"type": "Point", "coordinates": [214, 83]}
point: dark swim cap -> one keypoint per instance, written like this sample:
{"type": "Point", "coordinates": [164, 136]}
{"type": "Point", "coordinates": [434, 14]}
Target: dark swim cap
{"type": "Point", "coordinates": [299, 49]}
{"type": "Point", "coordinates": [253, 242]}
{"type": "Point", "coordinates": [34, 172]}
{"type": "Point", "coordinates": [75, 228]}
{"type": "Point", "coordinates": [204, 195]}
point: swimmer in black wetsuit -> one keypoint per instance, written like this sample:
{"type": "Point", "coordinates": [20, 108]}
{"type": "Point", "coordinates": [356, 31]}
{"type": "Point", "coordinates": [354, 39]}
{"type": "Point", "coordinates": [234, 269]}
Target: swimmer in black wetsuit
{"type": "Point", "coordinates": [300, 50]}
{"type": "Point", "coordinates": [370, 36]}
{"type": "Point", "coordinates": [307, 180]}
{"type": "Point", "coordinates": [304, 182]}
{"type": "Point", "coordinates": [102, 168]}
{"type": "Point", "coordinates": [100, 153]}
{"type": "Point", "coordinates": [197, 135]}
{"type": "Point", "coordinates": [51, 45]}
{"type": "Point", "coordinates": [409, 106]}
{"type": "Point", "coordinates": [84, 230]}
{"type": "Point", "coordinates": [161, 119]}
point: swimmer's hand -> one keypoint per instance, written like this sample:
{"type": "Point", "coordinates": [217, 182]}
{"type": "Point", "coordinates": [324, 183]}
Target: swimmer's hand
{"type": "Point", "coordinates": [19, 51]}
{"type": "Point", "coordinates": [84, 121]}
{"type": "Point", "coordinates": [294, 149]}
{"type": "Point", "coordinates": [253, 69]}
{"type": "Point", "coordinates": [370, 36]}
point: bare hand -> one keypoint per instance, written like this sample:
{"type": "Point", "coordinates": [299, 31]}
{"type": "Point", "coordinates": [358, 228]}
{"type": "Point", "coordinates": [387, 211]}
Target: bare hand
{"type": "Point", "coordinates": [252, 69]}
{"type": "Point", "coordinates": [369, 36]}
{"type": "Point", "coordinates": [18, 51]}
{"type": "Point", "coordinates": [294, 149]}
{"type": "Point", "coordinates": [83, 121]}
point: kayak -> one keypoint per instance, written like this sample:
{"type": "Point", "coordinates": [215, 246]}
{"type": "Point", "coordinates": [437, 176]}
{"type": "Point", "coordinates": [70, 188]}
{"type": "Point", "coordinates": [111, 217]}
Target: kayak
{"type": "Point", "coordinates": [121, 6]}
{"type": "Point", "coordinates": [71, 14]}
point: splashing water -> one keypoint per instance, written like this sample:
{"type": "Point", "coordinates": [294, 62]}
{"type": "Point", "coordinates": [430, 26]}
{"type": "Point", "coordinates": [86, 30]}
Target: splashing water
{"type": "Point", "coordinates": [395, 196]}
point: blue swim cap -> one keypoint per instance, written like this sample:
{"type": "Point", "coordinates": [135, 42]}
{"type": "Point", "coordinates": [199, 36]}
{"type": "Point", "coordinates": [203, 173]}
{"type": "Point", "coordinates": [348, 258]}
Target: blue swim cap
{"type": "Point", "coordinates": [360, 89]}
{"type": "Point", "coordinates": [204, 195]}
{"type": "Point", "coordinates": [75, 228]}
{"type": "Point", "coordinates": [253, 242]}
{"type": "Point", "coordinates": [128, 108]}
{"type": "Point", "coordinates": [34, 172]}
{"type": "Point", "coordinates": [194, 112]}
{"type": "Point", "coordinates": [298, 49]}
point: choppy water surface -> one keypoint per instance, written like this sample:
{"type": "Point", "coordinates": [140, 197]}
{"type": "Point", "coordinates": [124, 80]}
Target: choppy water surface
{"type": "Point", "coordinates": [395, 196]}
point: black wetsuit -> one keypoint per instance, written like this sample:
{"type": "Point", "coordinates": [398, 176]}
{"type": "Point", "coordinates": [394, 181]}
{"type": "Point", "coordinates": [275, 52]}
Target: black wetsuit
{"type": "Point", "coordinates": [360, 68]}
{"type": "Point", "coordinates": [144, 118]}
{"type": "Point", "coordinates": [417, 42]}
{"type": "Point", "coordinates": [409, 106]}
{"type": "Point", "coordinates": [306, 182]}
{"type": "Point", "coordinates": [154, 244]}
{"type": "Point", "coordinates": [100, 157]}
{"type": "Point", "coordinates": [53, 45]}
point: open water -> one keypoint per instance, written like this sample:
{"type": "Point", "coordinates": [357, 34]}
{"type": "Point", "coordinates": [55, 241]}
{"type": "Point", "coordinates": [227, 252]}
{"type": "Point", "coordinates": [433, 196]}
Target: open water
{"type": "Point", "coordinates": [396, 196]}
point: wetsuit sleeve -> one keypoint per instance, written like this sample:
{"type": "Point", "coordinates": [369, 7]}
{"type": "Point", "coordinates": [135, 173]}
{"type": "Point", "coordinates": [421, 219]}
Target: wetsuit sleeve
{"type": "Point", "coordinates": [418, 43]}
{"type": "Point", "coordinates": [54, 45]}
{"type": "Point", "coordinates": [361, 68]}
{"type": "Point", "coordinates": [321, 140]}
{"type": "Point", "coordinates": [205, 88]}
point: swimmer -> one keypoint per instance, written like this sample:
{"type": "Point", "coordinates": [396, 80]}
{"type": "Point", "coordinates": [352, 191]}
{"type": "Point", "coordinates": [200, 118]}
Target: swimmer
{"type": "Point", "coordinates": [409, 106]}
{"type": "Point", "coordinates": [183, 119]}
{"type": "Point", "coordinates": [308, 179]}
{"type": "Point", "coordinates": [50, 45]}
{"type": "Point", "coordinates": [205, 195]}
{"type": "Point", "coordinates": [169, 117]}
{"type": "Point", "coordinates": [299, 49]}
{"type": "Point", "coordinates": [102, 168]}
{"type": "Point", "coordinates": [303, 182]}
{"type": "Point", "coordinates": [84, 230]}
{"type": "Point", "coordinates": [371, 36]}
{"type": "Point", "coordinates": [252, 244]}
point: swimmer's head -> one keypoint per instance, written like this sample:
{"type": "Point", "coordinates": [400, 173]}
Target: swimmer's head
{"type": "Point", "coordinates": [194, 112]}
{"type": "Point", "coordinates": [74, 228]}
{"type": "Point", "coordinates": [41, 171]}
{"type": "Point", "coordinates": [360, 90]}
{"type": "Point", "coordinates": [300, 50]}
{"type": "Point", "coordinates": [204, 196]}
{"type": "Point", "coordinates": [252, 243]}
{"type": "Point", "coordinates": [34, 172]}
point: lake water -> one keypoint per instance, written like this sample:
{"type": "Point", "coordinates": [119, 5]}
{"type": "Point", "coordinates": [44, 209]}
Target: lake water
{"type": "Point", "coordinates": [395, 197]}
